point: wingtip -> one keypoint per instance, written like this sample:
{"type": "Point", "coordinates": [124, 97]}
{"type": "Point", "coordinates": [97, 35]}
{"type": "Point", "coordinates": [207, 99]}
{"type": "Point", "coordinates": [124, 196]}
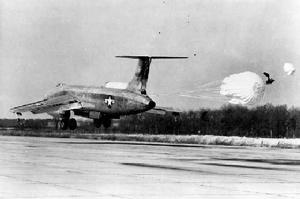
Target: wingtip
{"type": "Point", "coordinates": [14, 111]}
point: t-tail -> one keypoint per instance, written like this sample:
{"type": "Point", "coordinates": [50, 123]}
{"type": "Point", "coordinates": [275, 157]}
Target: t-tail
{"type": "Point", "coordinates": [140, 78]}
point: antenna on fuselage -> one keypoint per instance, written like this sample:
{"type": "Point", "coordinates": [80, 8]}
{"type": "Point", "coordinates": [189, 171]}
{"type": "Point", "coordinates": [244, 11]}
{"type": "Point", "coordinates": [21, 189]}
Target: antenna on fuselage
{"type": "Point", "coordinates": [140, 78]}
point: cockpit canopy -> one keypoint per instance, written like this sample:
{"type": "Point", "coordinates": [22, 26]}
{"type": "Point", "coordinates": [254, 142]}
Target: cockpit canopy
{"type": "Point", "coordinates": [116, 85]}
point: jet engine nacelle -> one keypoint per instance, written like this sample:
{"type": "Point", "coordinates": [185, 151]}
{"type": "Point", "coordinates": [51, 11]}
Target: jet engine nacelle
{"type": "Point", "coordinates": [116, 85]}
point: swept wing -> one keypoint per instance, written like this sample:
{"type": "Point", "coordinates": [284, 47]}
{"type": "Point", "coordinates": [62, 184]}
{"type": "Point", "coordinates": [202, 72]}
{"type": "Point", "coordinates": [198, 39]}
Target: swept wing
{"type": "Point", "coordinates": [59, 103]}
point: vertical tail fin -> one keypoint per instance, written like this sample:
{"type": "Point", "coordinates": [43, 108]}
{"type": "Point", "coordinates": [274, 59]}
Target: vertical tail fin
{"type": "Point", "coordinates": [140, 78]}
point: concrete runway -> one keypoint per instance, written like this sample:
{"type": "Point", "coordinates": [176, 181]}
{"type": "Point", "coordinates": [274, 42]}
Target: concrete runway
{"type": "Point", "coordinates": [76, 168]}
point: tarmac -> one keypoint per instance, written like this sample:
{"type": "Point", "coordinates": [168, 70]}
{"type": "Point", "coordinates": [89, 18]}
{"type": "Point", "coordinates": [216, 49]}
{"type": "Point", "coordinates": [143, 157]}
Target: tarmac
{"type": "Point", "coordinates": [36, 167]}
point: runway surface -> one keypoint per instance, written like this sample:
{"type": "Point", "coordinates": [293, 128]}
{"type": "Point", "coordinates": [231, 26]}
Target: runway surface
{"type": "Point", "coordinates": [76, 168]}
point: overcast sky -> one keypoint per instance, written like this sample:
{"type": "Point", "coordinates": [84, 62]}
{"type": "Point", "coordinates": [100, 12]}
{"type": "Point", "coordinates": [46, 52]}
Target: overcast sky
{"type": "Point", "coordinates": [43, 43]}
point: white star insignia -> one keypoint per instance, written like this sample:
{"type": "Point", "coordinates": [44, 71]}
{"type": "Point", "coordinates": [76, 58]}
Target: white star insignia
{"type": "Point", "coordinates": [109, 101]}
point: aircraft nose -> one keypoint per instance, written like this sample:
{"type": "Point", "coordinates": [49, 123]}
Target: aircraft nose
{"type": "Point", "coordinates": [151, 104]}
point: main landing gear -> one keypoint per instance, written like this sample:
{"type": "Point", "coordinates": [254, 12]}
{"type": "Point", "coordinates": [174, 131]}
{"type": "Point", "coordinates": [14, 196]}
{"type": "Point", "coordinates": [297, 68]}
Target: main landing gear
{"type": "Point", "coordinates": [106, 122]}
{"type": "Point", "coordinates": [64, 124]}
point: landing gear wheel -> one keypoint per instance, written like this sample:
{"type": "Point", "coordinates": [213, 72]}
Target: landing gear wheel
{"type": "Point", "coordinates": [106, 122]}
{"type": "Point", "coordinates": [72, 124]}
{"type": "Point", "coordinates": [97, 123]}
{"type": "Point", "coordinates": [63, 124]}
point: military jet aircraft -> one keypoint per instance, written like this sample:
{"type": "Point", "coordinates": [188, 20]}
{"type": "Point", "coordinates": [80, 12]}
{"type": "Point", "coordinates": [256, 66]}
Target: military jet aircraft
{"type": "Point", "coordinates": [102, 104]}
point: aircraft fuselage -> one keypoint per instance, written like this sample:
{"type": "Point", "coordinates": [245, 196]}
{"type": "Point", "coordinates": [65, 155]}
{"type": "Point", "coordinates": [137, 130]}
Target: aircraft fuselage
{"type": "Point", "coordinates": [107, 101]}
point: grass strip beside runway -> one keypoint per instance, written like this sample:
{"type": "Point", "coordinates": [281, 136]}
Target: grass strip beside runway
{"type": "Point", "coordinates": [173, 139]}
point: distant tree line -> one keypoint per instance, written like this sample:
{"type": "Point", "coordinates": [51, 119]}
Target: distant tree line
{"type": "Point", "coordinates": [22, 123]}
{"type": "Point", "coordinates": [262, 121]}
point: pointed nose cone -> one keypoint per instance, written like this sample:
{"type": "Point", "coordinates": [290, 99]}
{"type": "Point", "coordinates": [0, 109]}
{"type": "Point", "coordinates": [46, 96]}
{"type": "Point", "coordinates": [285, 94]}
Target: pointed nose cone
{"type": "Point", "coordinates": [151, 104]}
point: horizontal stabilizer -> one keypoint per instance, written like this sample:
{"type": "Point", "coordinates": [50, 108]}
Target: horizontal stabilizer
{"type": "Point", "coordinates": [151, 57]}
